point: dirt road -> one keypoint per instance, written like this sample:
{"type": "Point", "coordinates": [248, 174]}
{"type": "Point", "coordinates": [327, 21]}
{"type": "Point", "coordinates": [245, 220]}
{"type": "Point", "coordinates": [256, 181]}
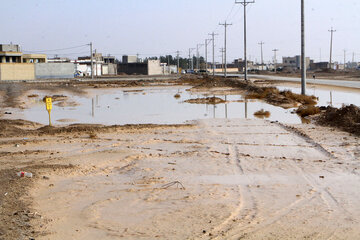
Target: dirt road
{"type": "Point", "coordinates": [220, 179]}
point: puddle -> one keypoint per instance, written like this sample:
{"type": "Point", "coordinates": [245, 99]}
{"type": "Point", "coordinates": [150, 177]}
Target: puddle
{"type": "Point", "coordinates": [327, 96]}
{"type": "Point", "coordinates": [159, 106]}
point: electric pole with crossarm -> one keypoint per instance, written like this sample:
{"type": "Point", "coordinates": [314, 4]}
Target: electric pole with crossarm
{"type": "Point", "coordinates": [213, 45]}
{"type": "Point", "coordinates": [245, 3]}
{"type": "Point", "coordinates": [225, 26]}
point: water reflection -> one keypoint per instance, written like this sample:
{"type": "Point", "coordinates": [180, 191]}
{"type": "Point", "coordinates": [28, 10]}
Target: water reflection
{"type": "Point", "coordinates": [158, 106]}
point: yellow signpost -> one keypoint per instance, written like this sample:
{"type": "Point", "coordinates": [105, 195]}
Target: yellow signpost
{"type": "Point", "coordinates": [49, 107]}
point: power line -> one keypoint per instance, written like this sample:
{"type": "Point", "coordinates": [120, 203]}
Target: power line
{"type": "Point", "coordinates": [60, 49]}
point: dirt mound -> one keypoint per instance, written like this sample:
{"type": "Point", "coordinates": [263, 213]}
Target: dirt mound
{"type": "Point", "coordinates": [346, 118]}
{"type": "Point", "coordinates": [209, 100]}
{"type": "Point", "coordinates": [22, 128]}
{"type": "Point", "coordinates": [262, 114]}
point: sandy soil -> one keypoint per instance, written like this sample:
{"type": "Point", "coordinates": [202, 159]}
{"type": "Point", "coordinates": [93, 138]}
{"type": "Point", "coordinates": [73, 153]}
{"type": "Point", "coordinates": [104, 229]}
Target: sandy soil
{"type": "Point", "coordinates": [219, 179]}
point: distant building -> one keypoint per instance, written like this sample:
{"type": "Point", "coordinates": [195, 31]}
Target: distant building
{"type": "Point", "coordinates": [10, 53]}
{"type": "Point", "coordinates": [319, 65]}
{"type": "Point", "coordinates": [151, 67]}
{"type": "Point", "coordinates": [101, 65]}
{"type": "Point", "coordinates": [240, 64]}
{"type": "Point", "coordinates": [129, 59]}
{"type": "Point", "coordinates": [58, 60]}
{"type": "Point", "coordinates": [34, 58]}
{"type": "Point", "coordinates": [295, 62]}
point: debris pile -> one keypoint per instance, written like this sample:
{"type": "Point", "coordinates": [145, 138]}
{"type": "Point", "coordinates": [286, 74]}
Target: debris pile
{"type": "Point", "coordinates": [346, 118]}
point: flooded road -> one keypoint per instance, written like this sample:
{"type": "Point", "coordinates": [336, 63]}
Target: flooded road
{"type": "Point", "coordinates": [157, 105]}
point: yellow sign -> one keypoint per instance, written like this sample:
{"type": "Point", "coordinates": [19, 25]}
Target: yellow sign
{"type": "Point", "coordinates": [49, 107]}
{"type": "Point", "coordinates": [48, 104]}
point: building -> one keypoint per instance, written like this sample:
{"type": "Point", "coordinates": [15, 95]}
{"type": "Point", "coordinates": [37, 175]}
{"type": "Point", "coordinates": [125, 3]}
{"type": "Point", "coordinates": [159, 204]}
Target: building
{"type": "Point", "coordinates": [129, 59]}
{"type": "Point", "coordinates": [240, 64]}
{"type": "Point", "coordinates": [151, 67]}
{"type": "Point", "coordinates": [295, 62]}
{"type": "Point", "coordinates": [14, 65]}
{"type": "Point", "coordinates": [58, 60]}
{"type": "Point", "coordinates": [101, 65]}
{"type": "Point", "coordinates": [10, 53]}
{"type": "Point", "coordinates": [319, 65]}
{"type": "Point", "coordinates": [34, 58]}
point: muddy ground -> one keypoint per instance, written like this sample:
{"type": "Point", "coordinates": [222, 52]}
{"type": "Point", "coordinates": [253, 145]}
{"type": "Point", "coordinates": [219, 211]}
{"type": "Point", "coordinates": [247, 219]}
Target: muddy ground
{"type": "Point", "coordinates": [55, 154]}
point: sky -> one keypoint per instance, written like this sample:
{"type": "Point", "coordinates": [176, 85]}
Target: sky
{"type": "Point", "coordinates": [159, 27]}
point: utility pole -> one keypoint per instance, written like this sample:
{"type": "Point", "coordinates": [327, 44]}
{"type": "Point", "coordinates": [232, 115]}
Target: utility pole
{"type": "Point", "coordinates": [344, 59]}
{"type": "Point", "coordinates": [245, 3]}
{"type": "Point", "coordinates": [207, 41]}
{"type": "Point", "coordinates": [222, 50]}
{"type": "Point", "coordinates": [213, 46]}
{"type": "Point", "coordinates": [225, 50]}
{"type": "Point", "coordinates": [190, 60]}
{"type": "Point", "coordinates": [92, 64]}
{"type": "Point", "coordinates": [331, 45]}
{"type": "Point", "coordinates": [178, 61]}
{"type": "Point", "coordinates": [353, 57]}
{"type": "Point", "coordinates": [198, 55]}
{"type": "Point", "coordinates": [262, 56]}
{"type": "Point", "coordinates": [275, 50]}
{"type": "Point", "coordinates": [303, 54]}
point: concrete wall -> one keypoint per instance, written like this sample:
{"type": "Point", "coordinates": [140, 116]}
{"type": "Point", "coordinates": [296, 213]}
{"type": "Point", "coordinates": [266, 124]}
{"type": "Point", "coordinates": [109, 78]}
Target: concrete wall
{"type": "Point", "coordinates": [154, 67]}
{"type": "Point", "coordinates": [17, 71]}
{"type": "Point", "coordinates": [112, 69]}
{"type": "Point", "coordinates": [54, 70]}
{"type": "Point", "coordinates": [133, 68]}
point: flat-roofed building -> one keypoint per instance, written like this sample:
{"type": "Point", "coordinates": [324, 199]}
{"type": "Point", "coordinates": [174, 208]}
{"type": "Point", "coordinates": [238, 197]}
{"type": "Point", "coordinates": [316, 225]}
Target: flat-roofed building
{"type": "Point", "coordinates": [34, 58]}
{"type": "Point", "coordinates": [10, 53]}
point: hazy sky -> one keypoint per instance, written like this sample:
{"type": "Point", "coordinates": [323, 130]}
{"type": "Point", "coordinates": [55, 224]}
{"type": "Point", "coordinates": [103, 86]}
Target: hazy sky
{"type": "Point", "coordinates": [157, 27]}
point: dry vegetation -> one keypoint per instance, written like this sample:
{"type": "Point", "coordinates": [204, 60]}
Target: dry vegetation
{"type": "Point", "coordinates": [271, 95]}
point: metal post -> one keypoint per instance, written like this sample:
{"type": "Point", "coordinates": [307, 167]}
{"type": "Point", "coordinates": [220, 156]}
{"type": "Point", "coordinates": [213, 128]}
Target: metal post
{"type": "Point", "coordinates": [245, 3]}
{"type": "Point", "coordinates": [92, 64]}
{"type": "Point", "coordinates": [303, 56]}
